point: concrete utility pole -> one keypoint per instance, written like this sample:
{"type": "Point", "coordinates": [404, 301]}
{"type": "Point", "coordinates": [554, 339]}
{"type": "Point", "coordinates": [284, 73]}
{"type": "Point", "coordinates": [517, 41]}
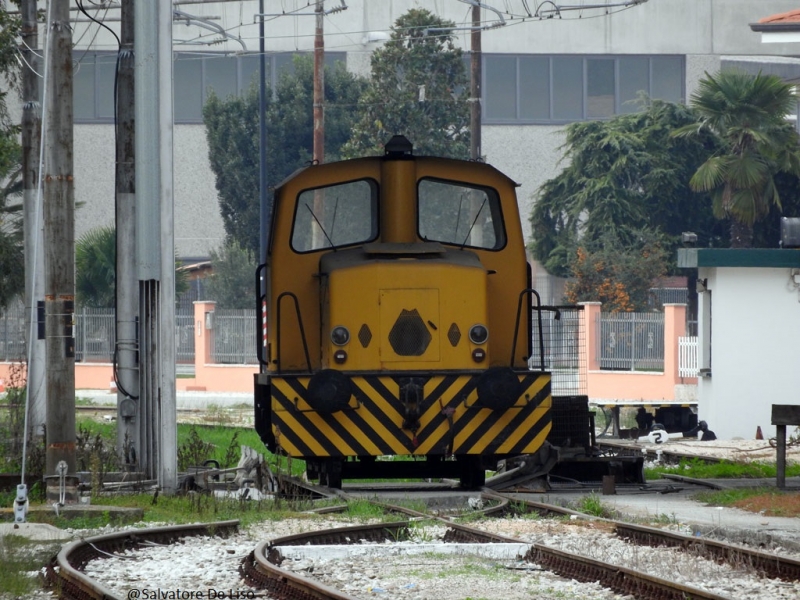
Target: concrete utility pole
{"type": "Point", "coordinates": [59, 246]}
{"type": "Point", "coordinates": [126, 352]}
{"type": "Point", "coordinates": [319, 84]}
{"type": "Point", "coordinates": [155, 241]}
{"type": "Point", "coordinates": [32, 216]}
{"type": "Point", "coordinates": [475, 85]}
{"type": "Point", "coordinates": [265, 208]}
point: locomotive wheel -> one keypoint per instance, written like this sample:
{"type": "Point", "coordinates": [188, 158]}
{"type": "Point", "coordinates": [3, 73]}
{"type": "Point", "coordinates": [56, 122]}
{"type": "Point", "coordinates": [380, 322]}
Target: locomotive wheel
{"type": "Point", "coordinates": [472, 474]}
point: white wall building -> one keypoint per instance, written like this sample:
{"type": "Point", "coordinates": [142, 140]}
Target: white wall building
{"type": "Point", "coordinates": [748, 325]}
{"type": "Point", "coordinates": [538, 75]}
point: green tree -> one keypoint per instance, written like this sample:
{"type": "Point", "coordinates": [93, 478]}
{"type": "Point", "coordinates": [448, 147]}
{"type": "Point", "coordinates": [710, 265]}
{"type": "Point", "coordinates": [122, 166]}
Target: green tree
{"type": "Point", "coordinates": [12, 260]}
{"type": "Point", "coordinates": [746, 115]}
{"type": "Point", "coordinates": [12, 275]}
{"type": "Point", "coordinates": [232, 130]}
{"type": "Point", "coordinates": [625, 175]}
{"type": "Point", "coordinates": [232, 280]}
{"type": "Point", "coordinates": [419, 89]}
{"type": "Point", "coordinates": [617, 274]}
{"type": "Point", "coordinates": [95, 269]}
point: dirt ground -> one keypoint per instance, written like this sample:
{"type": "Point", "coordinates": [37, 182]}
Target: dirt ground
{"type": "Point", "coordinates": [772, 504]}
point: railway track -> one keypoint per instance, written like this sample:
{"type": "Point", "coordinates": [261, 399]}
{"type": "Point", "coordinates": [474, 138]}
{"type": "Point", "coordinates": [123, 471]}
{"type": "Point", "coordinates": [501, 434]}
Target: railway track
{"type": "Point", "coordinates": [64, 573]}
{"type": "Point", "coordinates": [262, 567]}
{"type": "Point", "coordinates": [669, 456]}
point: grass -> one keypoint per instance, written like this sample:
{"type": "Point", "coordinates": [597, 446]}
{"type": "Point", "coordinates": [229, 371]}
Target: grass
{"type": "Point", "coordinates": [591, 504]}
{"type": "Point", "coordinates": [206, 442]}
{"type": "Point", "coordinates": [20, 560]}
{"type": "Point", "coordinates": [699, 469]}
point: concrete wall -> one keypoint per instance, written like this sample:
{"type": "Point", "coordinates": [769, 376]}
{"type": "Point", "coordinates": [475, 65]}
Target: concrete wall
{"type": "Point", "coordinates": [755, 320]}
{"type": "Point", "coordinates": [636, 386]}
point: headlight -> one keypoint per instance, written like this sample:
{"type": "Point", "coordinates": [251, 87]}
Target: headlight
{"type": "Point", "coordinates": [478, 334]}
{"type": "Point", "coordinates": [340, 335]}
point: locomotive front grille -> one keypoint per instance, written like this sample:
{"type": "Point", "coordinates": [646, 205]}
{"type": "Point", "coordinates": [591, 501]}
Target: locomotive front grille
{"type": "Point", "coordinates": [409, 335]}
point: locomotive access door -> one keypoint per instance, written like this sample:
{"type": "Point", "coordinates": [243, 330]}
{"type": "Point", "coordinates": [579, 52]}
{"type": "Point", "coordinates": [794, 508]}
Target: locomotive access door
{"type": "Point", "coordinates": [409, 320]}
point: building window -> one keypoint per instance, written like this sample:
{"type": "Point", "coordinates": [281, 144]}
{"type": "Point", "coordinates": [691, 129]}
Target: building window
{"type": "Point", "coordinates": [521, 89]}
{"type": "Point", "coordinates": [704, 326]}
{"type": "Point", "coordinates": [194, 75]}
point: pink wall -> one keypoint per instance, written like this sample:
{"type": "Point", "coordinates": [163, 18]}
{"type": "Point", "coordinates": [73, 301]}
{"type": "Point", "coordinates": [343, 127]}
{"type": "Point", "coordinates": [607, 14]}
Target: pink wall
{"type": "Point", "coordinates": [604, 385]}
{"type": "Point", "coordinates": [634, 385]}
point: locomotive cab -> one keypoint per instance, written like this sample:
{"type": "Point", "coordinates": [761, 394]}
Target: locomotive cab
{"type": "Point", "coordinates": [399, 321]}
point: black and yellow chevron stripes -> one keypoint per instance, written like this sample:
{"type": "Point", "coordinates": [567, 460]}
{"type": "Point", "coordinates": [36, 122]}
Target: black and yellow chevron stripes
{"type": "Point", "coordinates": [443, 419]}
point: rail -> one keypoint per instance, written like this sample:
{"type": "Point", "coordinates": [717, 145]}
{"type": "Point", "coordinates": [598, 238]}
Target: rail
{"type": "Point", "coordinates": [64, 572]}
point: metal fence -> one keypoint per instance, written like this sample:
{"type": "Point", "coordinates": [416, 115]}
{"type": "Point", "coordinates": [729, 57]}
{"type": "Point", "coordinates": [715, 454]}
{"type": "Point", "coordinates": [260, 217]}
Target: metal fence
{"type": "Point", "coordinates": [184, 335]}
{"type": "Point", "coordinates": [631, 341]}
{"type": "Point", "coordinates": [95, 334]}
{"type": "Point", "coordinates": [564, 340]}
{"type": "Point", "coordinates": [661, 296]}
{"type": "Point", "coordinates": [12, 333]}
{"type": "Point", "coordinates": [234, 337]}
{"type": "Point", "coordinates": [688, 356]}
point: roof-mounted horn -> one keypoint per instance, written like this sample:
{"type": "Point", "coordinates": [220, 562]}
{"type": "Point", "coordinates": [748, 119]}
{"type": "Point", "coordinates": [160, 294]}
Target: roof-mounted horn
{"type": "Point", "coordinates": [399, 147]}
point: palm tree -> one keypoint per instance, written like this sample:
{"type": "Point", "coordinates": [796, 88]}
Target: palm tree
{"type": "Point", "coordinates": [96, 269]}
{"type": "Point", "coordinates": [747, 116]}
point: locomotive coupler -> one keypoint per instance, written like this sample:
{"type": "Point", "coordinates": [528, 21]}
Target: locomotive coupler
{"type": "Point", "coordinates": [411, 393]}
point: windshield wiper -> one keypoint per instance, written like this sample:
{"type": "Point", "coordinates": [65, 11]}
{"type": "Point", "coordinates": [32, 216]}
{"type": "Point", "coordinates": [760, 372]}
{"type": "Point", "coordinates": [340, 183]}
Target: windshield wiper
{"type": "Point", "coordinates": [471, 227]}
{"type": "Point", "coordinates": [327, 237]}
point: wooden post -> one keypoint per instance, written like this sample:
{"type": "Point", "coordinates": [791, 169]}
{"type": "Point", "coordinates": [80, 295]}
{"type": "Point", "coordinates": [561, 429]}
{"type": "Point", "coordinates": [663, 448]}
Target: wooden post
{"type": "Point", "coordinates": [781, 458]}
{"type": "Point", "coordinates": [783, 415]}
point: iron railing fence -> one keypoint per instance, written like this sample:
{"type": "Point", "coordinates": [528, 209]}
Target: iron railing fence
{"type": "Point", "coordinates": [12, 333]}
{"type": "Point", "coordinates": [234, 337]}
{"type": "Point", "coordinates": [564, 339]}
{"type": "Point", "coordinates": [184, 334]}
{"type": "Point", "coordinates": [94, 331]}
{"type": "Point", "coordinates": [626, 341]}
{"type": "Point", "coordinates": [661, 296]}
{"type": "Point", "coordinates": [688, 356]}
{"type": "Point", "coordinates": [631, 341]}
{"type": "Point", "coordinates": [95, 334]}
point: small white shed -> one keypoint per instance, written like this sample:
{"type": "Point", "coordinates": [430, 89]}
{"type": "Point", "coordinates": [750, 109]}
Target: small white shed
{"type": "Point", "coordinates": [749, 332]}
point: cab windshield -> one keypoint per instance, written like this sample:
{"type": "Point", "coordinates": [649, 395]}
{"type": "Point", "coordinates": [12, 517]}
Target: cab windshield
{"type": "Point", "coordinates": [456, 213]}
{"type": "Point", "coordinates": [336, 215]}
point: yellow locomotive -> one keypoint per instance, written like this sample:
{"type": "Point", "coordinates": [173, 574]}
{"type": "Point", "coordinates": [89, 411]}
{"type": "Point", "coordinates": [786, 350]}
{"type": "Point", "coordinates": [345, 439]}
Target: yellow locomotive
{"type": "Point", "coordinates": [399, 321]}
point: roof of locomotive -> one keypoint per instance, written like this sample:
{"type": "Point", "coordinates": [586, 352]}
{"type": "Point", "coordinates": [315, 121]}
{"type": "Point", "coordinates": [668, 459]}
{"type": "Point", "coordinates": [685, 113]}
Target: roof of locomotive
{"type": "Point", "coordinates": [398, 148]}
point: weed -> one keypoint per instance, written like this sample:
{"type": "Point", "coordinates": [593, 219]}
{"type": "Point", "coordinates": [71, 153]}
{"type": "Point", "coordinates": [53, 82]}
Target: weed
{"type": "Point", "coordinates": [232, 453]}
{"type": "Point", "coordinates": [20, 558]}
{"type": "Point", "coordinates": [95, 451]}
{"type": "Point", "coordinates": [217, 415]}
{"type": "Point", "coordinates": [194, 451]}
{"type": "Point", "coordinates": [364, 510]}
{"type": "Point", "coordinates": [592, 505]}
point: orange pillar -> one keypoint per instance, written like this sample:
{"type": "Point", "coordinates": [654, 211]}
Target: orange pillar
{"type": "Point", "coordinates": [674, 327]}
{"type": "Point", "coordinates": [591, 314]}
{"type": "Point", "coordinates": [203, 338]}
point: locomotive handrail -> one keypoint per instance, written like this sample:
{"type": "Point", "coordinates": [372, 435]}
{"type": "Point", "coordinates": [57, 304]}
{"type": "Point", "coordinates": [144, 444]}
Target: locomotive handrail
{"type": "Point", "coordinates": [516, 327]}
{"type": "Point", "coordinates": [299, 322]}
{"type": "Point", "coordinates": [260, 339]}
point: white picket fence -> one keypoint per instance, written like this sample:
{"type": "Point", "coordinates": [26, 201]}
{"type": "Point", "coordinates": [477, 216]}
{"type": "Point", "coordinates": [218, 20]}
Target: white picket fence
{"type": "Point", "coordinates": [688, 357]}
